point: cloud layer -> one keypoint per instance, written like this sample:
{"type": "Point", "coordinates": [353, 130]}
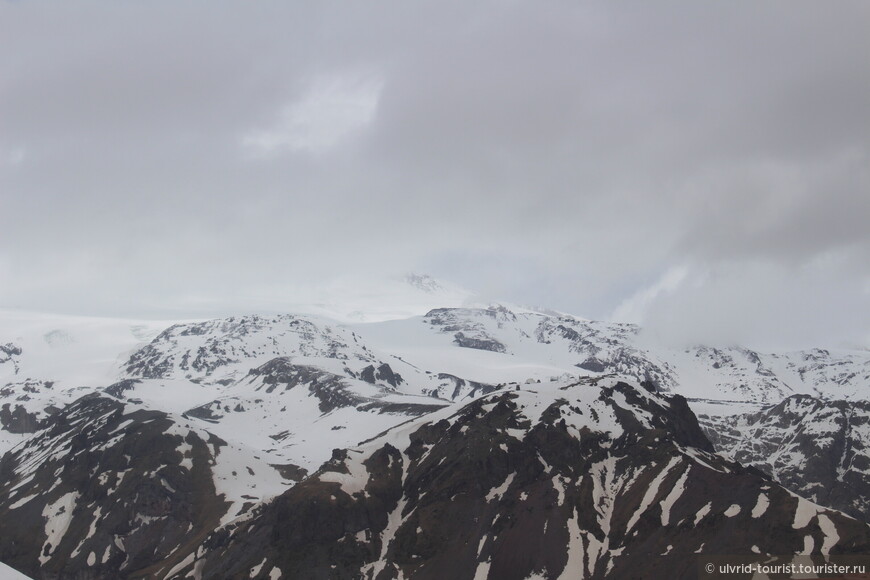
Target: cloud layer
{"type": "Point", "coordinates": [163, 158]}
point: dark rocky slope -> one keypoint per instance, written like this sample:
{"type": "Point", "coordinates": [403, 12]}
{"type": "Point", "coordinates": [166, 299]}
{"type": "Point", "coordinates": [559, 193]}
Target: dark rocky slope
{"type": "Point", "coordinates": [818, 449]}
{"type": "Point", "coordinates": [590, 480]}
{"type": "Point", "coordinates": [111, 490]}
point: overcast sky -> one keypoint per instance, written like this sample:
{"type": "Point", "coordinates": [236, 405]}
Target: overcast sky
{"type": "Point", "coordinates": [701, 167]}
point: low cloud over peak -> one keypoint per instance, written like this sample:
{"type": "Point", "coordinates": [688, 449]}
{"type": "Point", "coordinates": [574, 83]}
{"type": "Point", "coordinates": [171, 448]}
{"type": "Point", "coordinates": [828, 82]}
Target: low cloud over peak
{"type": "Point", "coordinates": [576, 157]}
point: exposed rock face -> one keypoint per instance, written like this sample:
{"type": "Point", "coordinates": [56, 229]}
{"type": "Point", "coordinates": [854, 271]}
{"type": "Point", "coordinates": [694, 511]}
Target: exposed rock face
{"type": "Point", "coordinates": [386, 374]}
{"type": "Point", "coordinates": [818, 449]}
{"type": "Point", "coordinates": [587, 479]}
{"type": "Point", "coordinates": [383, 374]}
{"type": "Point", "coordinates": [480, 343]}
{"type": "Point", "coordinates": [18, 420]}
{"type": "Point", "coordinates": [329, 389]}
{"type": "Point", "coordinates": [592, 364]}
{"type": "Point", "coordinates": [118, 389]}
{"type": "Point", "coordinates": [468, 331]}
{"type": "Point", "coordinates": [108, 490]}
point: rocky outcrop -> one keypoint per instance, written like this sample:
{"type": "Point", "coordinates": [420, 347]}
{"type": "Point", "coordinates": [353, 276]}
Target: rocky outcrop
{"type": "Point", "coordinates": [18, 420]}
{"type": "Point", "coordinates": [478, 342]}
{"type": "Point", "coordinates": [383, 374]}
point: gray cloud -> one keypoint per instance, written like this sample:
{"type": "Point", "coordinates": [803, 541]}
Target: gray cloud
{"type": "Point", "coordinates": [157, 156]}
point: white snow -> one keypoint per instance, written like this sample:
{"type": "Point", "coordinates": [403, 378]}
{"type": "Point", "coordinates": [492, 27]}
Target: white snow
{"type": "Point", "coordinates": [498, 492]}
{"type": "Point", "coordinates": [482, 571]}
{"type": "Point", "coordinates": [651, 493]}
{"type": "Point", "coordinates": [700, 457]}
{"type": "Point", "coordinates": [288, 426]}
{"type": "Point", "coordinates": [576, 552]}
{"type": "Point", "coordinates": [187, 561]}
{"type": "Point", "coordinates": [58, 516]}
{"type": "Point", "coordinates": [803, 513]}
{"type": "Point", "coordinates": [91, 531]}
{"type": "Point", "coordinates": [22, 501]}
{"type": "Point", "coordinates": [394, 521]}
{"type": "Point", "coordinates": [256, 569]}
{"type": "Point", "coordinates": [238, 473]}
{"type": "Point", "coordinates": [702, 513]}
{"type": "Point", "coordinates": [7, 573]}
{"type": "Point", "coordinates": [830, 531]}
{"type": "Point", "coordinates": [760, 506]}
{"type": "Point", "coordinates": [673, 496]}
{"type": "Point", "coordinates": [351, 483]}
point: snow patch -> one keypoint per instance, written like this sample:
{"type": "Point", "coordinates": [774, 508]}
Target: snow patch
{"type": "Point", "coordinates": [702, 513]}
{"type": "Point", "coordinates": [830, 530]}
{"type": "Point", "coordinates": [760, 506]}
{"type": "Point", "coordinates": [351, 483]}
{"type": "Point", "coordinates": [482, 571]}
{"type": "Point", "coordinates": [673, 496]}
{"type": "Point", "coordinates": [498, 492]}
{"type": "Point", "coordinates": [651, 493]}
{"type": "Point", "coordinates": [256, 569]}
{"type": "Point", "coordinates": [58, 517]}
{"type": "Point", "coordinates": [803, 513]}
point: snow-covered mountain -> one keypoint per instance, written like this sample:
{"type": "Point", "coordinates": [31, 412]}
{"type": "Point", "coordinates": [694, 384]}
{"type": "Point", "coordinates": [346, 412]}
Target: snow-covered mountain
{"type": "Point", "coordinates": [817, 448]}
{"type": "Point", "coordinates": [152, 437]}
{"type": "Point", "coordinates": [114, 488]}
{"type": "Point", "coordinates": [503, 344]}
{"type": "Point", "coordinates": [593, 479]}
{"type": "Point", "coordinates": [292, 386]}
{"type": "Point", "coordinates": [48, 361]}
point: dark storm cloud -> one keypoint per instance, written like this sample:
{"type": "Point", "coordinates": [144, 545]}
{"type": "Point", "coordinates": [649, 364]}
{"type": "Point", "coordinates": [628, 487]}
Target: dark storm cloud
{"type": "Point", "coordinates": [155, 156]}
